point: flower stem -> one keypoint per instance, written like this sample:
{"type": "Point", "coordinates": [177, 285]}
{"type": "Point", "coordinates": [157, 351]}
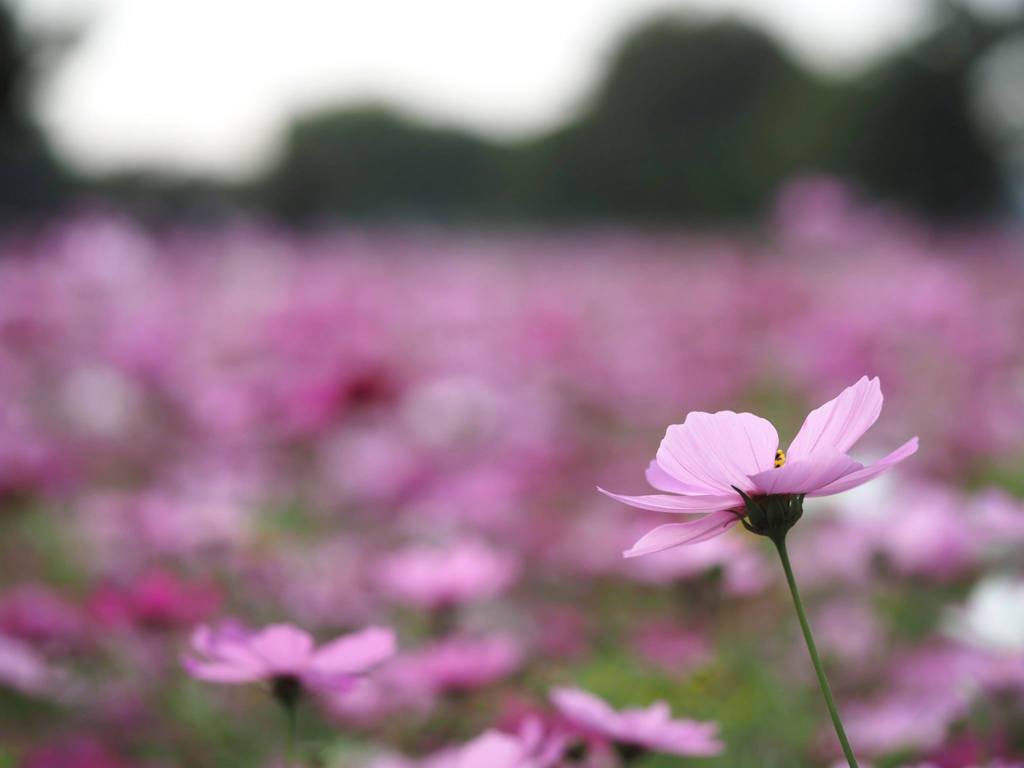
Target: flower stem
{"type": "Point", "coordinates": [780, 545]}
{"type": "Point", "coordinates": [292, 716]}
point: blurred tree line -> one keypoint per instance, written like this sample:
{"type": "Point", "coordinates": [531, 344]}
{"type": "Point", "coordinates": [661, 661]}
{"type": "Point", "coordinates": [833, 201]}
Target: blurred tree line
{"type": "Point", "coordinates": [692, 122]}
{"type": "Point", "coordinates": [32, 181]}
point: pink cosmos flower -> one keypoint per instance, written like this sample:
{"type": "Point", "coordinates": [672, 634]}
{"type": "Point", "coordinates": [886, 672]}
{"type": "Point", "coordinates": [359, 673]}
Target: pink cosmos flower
{"type": "Point", "coordinates": [704, 464]}
{"type": "Point", "coordinates": [286, 657]}
{"type": "Point", "coordinates": [645, 729]}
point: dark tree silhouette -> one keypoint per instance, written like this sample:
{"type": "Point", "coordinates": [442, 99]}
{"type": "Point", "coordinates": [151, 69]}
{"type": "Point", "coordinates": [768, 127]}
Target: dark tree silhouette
{"type": "Point", "coordinates": [911, 134]}
{"type": "Point", "coordinates": [692, 121]}
{"type": "Point", "coordinates": [32, 183]}
{"type": "Point", "coordinates": [370, 162]}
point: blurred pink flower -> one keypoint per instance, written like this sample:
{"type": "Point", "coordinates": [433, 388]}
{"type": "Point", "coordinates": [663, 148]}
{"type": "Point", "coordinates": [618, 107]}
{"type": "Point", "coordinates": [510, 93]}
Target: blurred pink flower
{"type": "Point", "coordinates": [942, 533]}
{"type": "Point", "coordinates": [888, 725]}
{"type": "Point", "coordinates": [435, 577]}
{"type": "Point", "coordinates": [743, 568]}
{"type": "Point", "coordinates": [24, 670]}
{"type": "Point", "coordinates": [704, 464]}
{"type": "Point", "coordinates": [927, 690]}
{"type": "Point", "coordinates": [457, 664]}
{"type": "Point", "coordinates": [156, 599]}
{"type": "Point", "coordinates": [849, 629]}
{"type": "Point", "coordinates": [39, 614]}
{"type": "Point", "coordinates": [285, 655]}
{"type": "Point", "coordinates": [532, 747]}
{"type": "Point", "coordinates": [976, 750]}
{"type": "Point", "coordinates": [647, 729]}
{"type": "Point", "coordinates": [323, 584]}
{"type": "Point", "coordinates": [126, 528]}
{"type": "Point", "coordinates": [493, 749]}
{"type": "Point", "coordinates": [76, 753]}
{"type": "Point", "coordinates": [676, 650]}
{"type": "Point", "coordinates": [370, 700]}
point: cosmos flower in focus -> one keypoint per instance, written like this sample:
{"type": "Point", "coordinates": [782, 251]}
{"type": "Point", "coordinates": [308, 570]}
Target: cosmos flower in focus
{"type": "Point", "coordinates": [715, 464]}
{"type": "Point", "coordinates": [636, 731]}
{"type": "Point", "coordinates": [286, 657]}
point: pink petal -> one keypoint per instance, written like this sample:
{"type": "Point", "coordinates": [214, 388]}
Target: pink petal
{"type": "Point", "coordinates": [203, 640]}
{"type": "Point", "coordinates": [328, 683]}
{"type": "Point", "coordinates": [686, 738]}
{"type": "Point", "coordinates": [840, 422]}
{"type": "Point", "coordinates": [715, 451]}
{"type": "Point", "coordinates": [221, 672]}
{"type": "Point", "coordinates": [661, 480]}
{"type": "Point", "coordinates": [585, 709]}
{"type": "Point", "coordinates": [870, 472]}
{"type": "Point", "coordinates": [657, 502]}
{"type": "Point", "coordinates": [807, 475]}
{"type": "Point", "coordinates": [356, 652]}
{"type": "Point", "coordinates": [493, 749]}
{"type": "Point", "coordinates": [676, 534]}
{"type": "Point", "coordinates": [232, 650]}
{"type": "Point", "coordinates": [282, 647]}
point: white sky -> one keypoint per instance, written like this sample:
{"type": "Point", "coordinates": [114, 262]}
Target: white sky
{"type": "Point", "coordinates": [206, 85]}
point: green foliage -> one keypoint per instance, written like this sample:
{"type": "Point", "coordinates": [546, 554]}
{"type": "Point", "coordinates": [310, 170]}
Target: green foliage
{"type": "Point", "coordinates": [693, 121]}
{"type": "Point", "coordinates": [33, 539]}
{"type": "Point", "coordinates": [910, 136]}
{"type": "Point", "coordinates": [369, 162]}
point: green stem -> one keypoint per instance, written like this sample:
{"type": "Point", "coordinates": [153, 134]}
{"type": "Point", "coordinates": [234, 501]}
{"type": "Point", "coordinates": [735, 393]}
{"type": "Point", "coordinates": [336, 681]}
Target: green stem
{"type": "Point", "coordinates": [780, 545]}
{"type": "Point", "coordinates": [292, 716]}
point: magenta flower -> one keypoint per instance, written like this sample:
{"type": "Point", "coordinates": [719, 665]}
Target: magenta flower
{"type": "Point", "coordinates": [713, 462]}
{"type": "Point", "coordinates": [286, 657]}
{"type": "Point", "coordinates": [635, 731]}
{"type": "Point", "coordinates": [39, 614]}
{"type": "Point", "coordinates": [155, 599]}
{"type": "Point", "coordinates": [83, 752]}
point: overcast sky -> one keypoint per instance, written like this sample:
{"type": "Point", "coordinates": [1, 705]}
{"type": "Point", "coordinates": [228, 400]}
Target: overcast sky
{"type": "Point", "coordinates": [206, 85]}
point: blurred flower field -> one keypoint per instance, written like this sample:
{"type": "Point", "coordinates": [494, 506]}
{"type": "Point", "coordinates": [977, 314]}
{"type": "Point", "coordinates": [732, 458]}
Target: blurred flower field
{"type": "Point", "coordinates": [405, 429]}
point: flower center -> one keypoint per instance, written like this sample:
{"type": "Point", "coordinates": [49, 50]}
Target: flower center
{"type": "Point", "coordinates": [780, 458]}
{"type": "Point", "coordinates": [287, 689]}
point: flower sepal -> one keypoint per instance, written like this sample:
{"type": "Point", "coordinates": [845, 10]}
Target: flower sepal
{"type": "Point", "coordinates": [772, 515]}
{"type": "Point", "coordinates": [287, 690]}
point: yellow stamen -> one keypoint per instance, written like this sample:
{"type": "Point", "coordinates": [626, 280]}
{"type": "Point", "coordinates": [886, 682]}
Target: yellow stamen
{"type": "Point", "coordinates": [780, 458]}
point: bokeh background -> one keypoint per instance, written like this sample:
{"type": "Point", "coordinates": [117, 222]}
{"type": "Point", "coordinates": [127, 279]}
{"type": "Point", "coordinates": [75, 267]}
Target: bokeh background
{"type": "Point", "coordinates": [310, 311]}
